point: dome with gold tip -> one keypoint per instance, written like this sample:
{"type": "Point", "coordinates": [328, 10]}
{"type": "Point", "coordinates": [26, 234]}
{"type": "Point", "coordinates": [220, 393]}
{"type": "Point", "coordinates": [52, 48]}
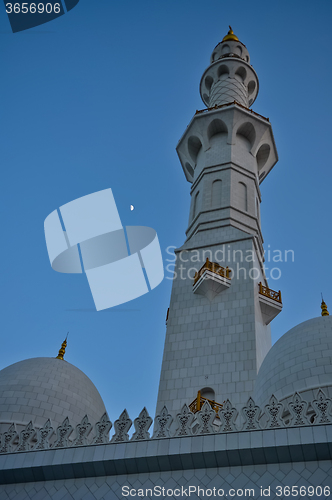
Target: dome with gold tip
{"type": "Point", "coordinates": [38, 389]}
{"type": "Point", "coordinates": [300, 361]}
{"type": "Point", "coordinates": [230, 46]}
{"type": "Point", "coordinates": [230, 36]}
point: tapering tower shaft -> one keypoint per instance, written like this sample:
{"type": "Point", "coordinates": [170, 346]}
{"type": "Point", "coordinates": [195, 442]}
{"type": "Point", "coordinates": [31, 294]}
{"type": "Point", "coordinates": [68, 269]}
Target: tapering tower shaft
{"type": "Point", "coordinates": [218, 324]}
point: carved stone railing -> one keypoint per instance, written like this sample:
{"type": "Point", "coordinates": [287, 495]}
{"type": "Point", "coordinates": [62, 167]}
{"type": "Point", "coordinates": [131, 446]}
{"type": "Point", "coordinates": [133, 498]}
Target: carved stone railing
{"type": "Point", "coordinates": [186, 423]}
{"type": "Point", "coordinates": [271, 294]}
{"type": "Point", "coordinates": [214, 268]}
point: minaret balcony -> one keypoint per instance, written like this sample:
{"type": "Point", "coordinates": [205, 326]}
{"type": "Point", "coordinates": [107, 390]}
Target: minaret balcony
{"type": "Point", "coordinates": [220, 106]}
{"type": "Point", "coordinates": [198, 402]}
{"type": "Point", "coordinates": [270, 303]}
{"type": "Point", "coordinates": [211, 279]}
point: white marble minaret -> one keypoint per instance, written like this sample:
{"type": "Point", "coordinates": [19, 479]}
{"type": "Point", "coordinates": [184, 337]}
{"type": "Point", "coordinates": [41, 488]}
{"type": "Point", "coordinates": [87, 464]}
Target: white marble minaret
{"type": "Point", "coordinates": [218, 329]}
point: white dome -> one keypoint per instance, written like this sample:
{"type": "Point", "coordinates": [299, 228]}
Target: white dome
{"type": "Point", "coordinates": [38, 389]}
{"type": "Point", "coordinates": [299, 362]}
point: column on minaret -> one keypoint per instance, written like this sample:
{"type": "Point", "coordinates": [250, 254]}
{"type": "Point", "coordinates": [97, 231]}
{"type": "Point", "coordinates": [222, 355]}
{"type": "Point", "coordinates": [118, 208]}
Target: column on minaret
{"type": "Point", "coordinates": [218, 329]}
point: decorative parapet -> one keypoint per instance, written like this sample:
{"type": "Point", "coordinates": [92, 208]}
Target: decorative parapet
{"type": "Point", "coordinates": [274, 411]}
{"type": "Point", "coordinates": [25, 437]}
{"type": "Point", "coordinates": [125, 461]}
{"type": "Point", "coordinates": [187, 423]}
{"type": "Point", "coordinates": [184, 421]}
{"type": "Point", "coordinates": [63, 432]}
{"type": "Point", "coordinates": [298, 409]}
{"type": "Point", "coordinates": [43, 436]}
{"type": "Point", "coordinates": [162, 424]}
{"type": "Point", "coordinates": [82, 432]}
{"type": "Point", "coordinates": [251, 414]}
{"type": "Point", "coordinates": [228, 416]}
{"type": "Point", "coordinates": [322, 406]}
{"type": "Point", "coordinates": [122, 426]}
{"type": "Point", "coordinates": [102, 429]}
{"type": "Point", "coordinates": [142, 424]}
{"type": "Point", "coordinates": [7, 440]}
{"type": "Point", "coordinates": [205, 418]}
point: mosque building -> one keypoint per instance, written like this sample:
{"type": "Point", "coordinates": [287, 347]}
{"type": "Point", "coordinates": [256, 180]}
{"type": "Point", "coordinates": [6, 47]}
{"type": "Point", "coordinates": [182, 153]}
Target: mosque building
{"type": "Point", "coordinates": [235, 417]}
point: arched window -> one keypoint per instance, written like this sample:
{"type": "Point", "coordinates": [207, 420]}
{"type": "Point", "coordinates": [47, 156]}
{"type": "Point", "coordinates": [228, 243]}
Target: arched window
{"type": "Point", "coordinates": [208, 393]}
{"type": "Point", "coordinates": [243, 196]}
{"type": "Point", "coordinates": [196, 202]}
{"type": "Point", "coordinates": [216, 193]}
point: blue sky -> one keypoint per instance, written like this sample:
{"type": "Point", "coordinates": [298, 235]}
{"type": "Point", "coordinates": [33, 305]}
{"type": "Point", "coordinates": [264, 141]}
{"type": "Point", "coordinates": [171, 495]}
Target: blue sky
{"type": "Point", "coordinates": [99, 98]}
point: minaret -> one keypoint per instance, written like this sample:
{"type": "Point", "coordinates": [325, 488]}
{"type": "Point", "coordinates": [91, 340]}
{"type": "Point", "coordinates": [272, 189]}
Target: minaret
{"type": "Point", "coordinates": [218, 329]}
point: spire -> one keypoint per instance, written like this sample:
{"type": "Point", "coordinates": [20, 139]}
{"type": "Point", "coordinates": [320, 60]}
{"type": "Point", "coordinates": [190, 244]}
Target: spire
{"type": "Point", "coordinates": [324, 308]}
{"type": "Point", "coordinates": [230, 36]}
{"type": "Point", "coordinates": [63, 349]}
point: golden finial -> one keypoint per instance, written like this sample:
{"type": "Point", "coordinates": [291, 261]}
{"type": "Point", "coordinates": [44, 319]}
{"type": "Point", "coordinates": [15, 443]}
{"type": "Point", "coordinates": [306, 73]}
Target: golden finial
{"type": "Point", "coordinates": [63, 349]}
{"type": "Point", "coordinates": [324, 308]}
{"type": "Point", "coordinates": [230, 36]}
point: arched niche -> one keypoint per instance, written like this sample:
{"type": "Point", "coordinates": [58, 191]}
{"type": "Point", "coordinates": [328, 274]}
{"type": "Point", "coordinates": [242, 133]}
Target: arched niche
{"type": "Point", "coordinates": [247, 131]}
{"type": "Point", "coordinates": [189, 169]}
{"type": "Point", "coordinates": [225, 49]}
{"type": "Point", "coordinates": [262, 155]}
{"type": "Point", "coordinates": [238, 50]}
{"type": "Point", "coordinates": [223, 71]}
{"type": "Point", "coordinates": [208, 82]}
{"type": "Point", "coordinates": [216, 193]}
{"type": "Point", "coordinates": [251, 87]}
{"type": "Point", "coordinates": [217, 126]}
{"type": "Point", "coordinates": [206, 99]}
{"type": "Point", "coordinates": [194, 145]}
{"type": "Point", "coordinates": [243, 196]}
{"type": "Point", "coordinates": [241, 74]}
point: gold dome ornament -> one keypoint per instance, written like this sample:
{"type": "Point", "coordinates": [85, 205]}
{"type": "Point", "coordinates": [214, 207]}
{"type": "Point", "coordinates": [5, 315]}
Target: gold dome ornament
{"type": "Point", "coordinates": [230, 36]}
{"type": "Point", "coordinates": [324, 308]}
{"type": "Point", "coordinates": [63, 349]}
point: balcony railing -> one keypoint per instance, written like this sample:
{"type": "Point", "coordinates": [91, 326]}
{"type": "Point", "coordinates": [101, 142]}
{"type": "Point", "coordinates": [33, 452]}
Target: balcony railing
{"type": "Point", "coordinates": [213, 267]}
{"type": "Point", "coordinates": [271, 294]}
{"type": "Point", "coordinates": [197, 404]}
{"type": "Point", "coordinates": [206, 110]}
